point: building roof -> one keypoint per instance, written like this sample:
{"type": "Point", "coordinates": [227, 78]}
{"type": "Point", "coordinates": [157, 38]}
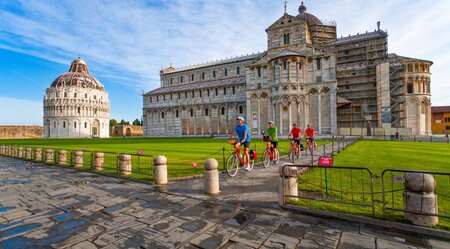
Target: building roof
{"type": "Point", "coordinates": [404, 58]}
{"type": "Point", "coordinates": [309, 18]}
{"type": "Point", "coordinates": [361, 37]}
{"type": "Point", "coordinates": [196, 86]}
{"type": "Point", "coordinates": [440, 109]}
{"type": "Point", "coordinates": [216, 63]}
{"type": "Point", "coordinates": [78, 76]}
{"type": "Point", "coordinates": [287, 53]}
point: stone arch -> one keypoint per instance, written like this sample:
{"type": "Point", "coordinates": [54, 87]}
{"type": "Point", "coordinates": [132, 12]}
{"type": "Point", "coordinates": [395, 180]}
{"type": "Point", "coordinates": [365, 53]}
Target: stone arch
{"type": "Point", "coordinates": [264, 95]}
{"type": "Point", "coordinates": [128, 132]}
{"type": "Point", "coordinates": [325, 90]}
{"type": "Point", "coordinates": [313, 91]}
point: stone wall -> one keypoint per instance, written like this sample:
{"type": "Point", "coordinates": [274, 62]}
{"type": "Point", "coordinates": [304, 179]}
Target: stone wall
{"type": "Point", "coordinates": [20, 132]}
{"type": "Point", "coordinates": [126, 131]}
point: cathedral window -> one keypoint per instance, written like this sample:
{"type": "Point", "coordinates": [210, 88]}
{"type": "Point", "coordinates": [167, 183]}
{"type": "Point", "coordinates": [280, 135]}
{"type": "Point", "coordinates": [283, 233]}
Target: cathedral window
{"type": "Point", "coordinates": [79, 110]}
{"type": "Point", "coordinates": [181, 79]}
{"type": "Point", "coordinates": [64, 124]}
{"type": "Point", "coordinates": [224, 91]}
{"type": "Point", "coordinates": [222, 111]}
{"type": "Point", "coordinates": [318, 63]}
{"type": "Point", "coordinates": [75, 125]}
{"type": "Point", "coordinates": [225, 72]}
{"type": "Point", "coordinates": [410, 88]}
{"type": "Point", "coordinates": [207, 92]}
{"type": "Point", "coordinates": [217, 92]}
{"type": "Point", "coordinates": [238, 70]}
{"type": "Point", "coordinates": [157, 98]}
{"type": "Point", "coordinates": [192, 77]}
{"type": "Point", "coordinates": [162, 115]}
{"type": "Point", "coordinates": [95, 97]}
{"type": "Point", "coordinates": [287, 39]}
{"type": "Point", "coordinates": [54, 124]}
{"type": "Point", "coordinates": [179, 96]}
{"type": "Point", "coordinates": [176, 113]}
{"type": "Point", "coordinates": [75, 95]}
{"type": "Point", "coordinates": [203, 75]}
{"type": "Point", "coordinates": [192, 112]}
{"type": "Point", "coordinates": [285, 65]}
{"type": "Point", "coordinates": [85, 96]}
{"type": "Point", "coordinates": [318, 79]}
{"type": "Point", "coordinates": [171, 98]}
{"type": "Point", "coordinates": [234, 90]}
{"type": "Point", "coordinates": [193, 94]}
{"type": "Point", "coordinates": [259, 72]}
{"type": "Point", "coordinates": [185, 95]}
{"type": "Point", "coordinates": [200, 92]}
{"type": "Point", "coordinates": [164, 97]}
{"type": "Point", "coordinates": [206, 112]}
{"type": "Point", "coordinates": [171, 81]}
{"type": "Point", "coordinates": [214, 74]}
{"type": "Point", "coordinates": [65, 95]}
{"type": "Point", "coordinates": [85, 124]}
{"type": "Point", "coordinates": [241, 109]}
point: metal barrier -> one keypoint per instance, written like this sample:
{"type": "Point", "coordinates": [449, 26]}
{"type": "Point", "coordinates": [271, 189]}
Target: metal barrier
{"type": "Point", "coordinates": [142, 164]}
{"type": "Point", "coordinates": [110, 162]}
{"type": "Point", "coordinates": [341, 185]}
{"type": "Point", "coordinates": [393, 191]}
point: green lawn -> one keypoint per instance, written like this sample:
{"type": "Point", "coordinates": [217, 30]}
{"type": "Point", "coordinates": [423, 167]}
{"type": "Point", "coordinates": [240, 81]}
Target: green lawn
{"type": "Point", "coordinates": [354, 186]}
{"type": "Point", "coordinates": [181, 152]}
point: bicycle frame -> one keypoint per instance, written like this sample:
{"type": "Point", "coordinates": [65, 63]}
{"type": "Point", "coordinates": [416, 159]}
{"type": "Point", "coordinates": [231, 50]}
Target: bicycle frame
{"type": "Point", "coordinates": [296, 148]}
{"type": "Point", "coordinates": [239, 155]}
{"type": "Point", "coordinates": [269, 149]}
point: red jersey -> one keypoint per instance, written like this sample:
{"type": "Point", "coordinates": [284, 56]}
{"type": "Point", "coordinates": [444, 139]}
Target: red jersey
{"type": "Point", "coordinates": [309, 132]}
{"type": "Point", "coordinates": [296, 132]}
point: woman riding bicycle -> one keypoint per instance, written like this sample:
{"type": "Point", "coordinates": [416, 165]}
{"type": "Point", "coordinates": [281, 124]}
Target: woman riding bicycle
{"type": "Point", "coordinates": [272, 131]}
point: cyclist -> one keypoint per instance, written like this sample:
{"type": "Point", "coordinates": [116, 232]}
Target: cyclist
{"type": "Point", "coordinates": [272, 131]}
{"type": "Point", "coordinates": [310, 135]}
{"type": "Point", "coordinates": [296, 134]}
{"type": "Point", "coordinates": [242, 131]}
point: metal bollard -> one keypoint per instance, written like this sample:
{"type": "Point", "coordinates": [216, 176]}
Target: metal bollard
{"type": "Point", "coordinates": [211, 179]}
{"type": "Point", "coordinates": [99, 160]}
{"type": "Point", "coordinates": [38, 154]}
{"type": "Point", "coordinates": [125, 164]}
{"type": "Point", "coordinates": [160, 170]}
{"type": "Point", "coordinates": [62, 157]}
{"type": "Point", "coordinates": [78, 158]}
{"type": "Point", "coordinates": [288, 184]}
{"type": "Point", "coordinates": [49, 156]}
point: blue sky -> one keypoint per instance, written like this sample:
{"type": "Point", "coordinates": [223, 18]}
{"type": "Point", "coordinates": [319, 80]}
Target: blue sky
{"type": "Point", "coordinates": [127, 42]}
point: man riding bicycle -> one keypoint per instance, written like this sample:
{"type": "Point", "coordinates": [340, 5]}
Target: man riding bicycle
{"type": "Point", "coordinates": [310, 134]}
{"type": "Point", "coordinates": [296, 134]}
{"type": "Point", "coordinates": [243, 135]}
{"type": "Point", "coordinates": [272, 131]}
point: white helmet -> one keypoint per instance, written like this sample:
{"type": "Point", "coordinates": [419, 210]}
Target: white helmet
{"type": "Point", "coordinates": [240, 118]}
{"type": "Point", "coordinates": [271, 122]}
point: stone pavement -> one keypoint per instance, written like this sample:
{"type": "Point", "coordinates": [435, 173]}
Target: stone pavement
{"type": "Point", "coordinates": [45, 206]}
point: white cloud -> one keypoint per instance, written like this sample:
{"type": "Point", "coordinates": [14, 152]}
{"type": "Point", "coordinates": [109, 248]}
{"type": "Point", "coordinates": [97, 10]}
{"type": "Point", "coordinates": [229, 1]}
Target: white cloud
{"type": "Point", "coordinates": [129, 41]}
{"type": "Point", "coordinates": [20, 112]}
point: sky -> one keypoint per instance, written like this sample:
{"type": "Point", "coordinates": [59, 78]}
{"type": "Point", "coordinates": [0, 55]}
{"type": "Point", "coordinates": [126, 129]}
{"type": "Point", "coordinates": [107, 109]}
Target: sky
{"type": "Point", "coordinates": [126, 42]}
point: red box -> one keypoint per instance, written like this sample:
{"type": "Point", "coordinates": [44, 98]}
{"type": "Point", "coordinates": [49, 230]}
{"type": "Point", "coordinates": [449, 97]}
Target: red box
{"type": "Point", "coordinates": [326, 161]}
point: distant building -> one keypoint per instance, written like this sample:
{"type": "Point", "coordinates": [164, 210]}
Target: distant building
{"type": "Point", "coordinates": [440, 119]}
{"type": "Point", "coordinates": [347, 85]}
{"type": "Point", "coordinates": [126, 131]}
{"type": "Point", "coordinates": [76, 105]}
{"type": "Point", "coordinates": [21, 132]}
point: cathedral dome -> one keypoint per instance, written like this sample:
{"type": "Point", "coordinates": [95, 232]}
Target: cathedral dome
{"type": "Point", "coordinates": [309, 18]}
{"type": "Point", "coordinates": [78, 76]}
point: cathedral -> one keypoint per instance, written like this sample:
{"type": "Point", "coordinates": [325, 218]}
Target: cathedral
{"type": "Point", "coordinates": [347, 86]}
{"type": "Point", "coordinates": [76, 105]}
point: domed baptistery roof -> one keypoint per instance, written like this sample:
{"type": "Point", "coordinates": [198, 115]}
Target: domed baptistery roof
{"type": "Point", "coordinates": [76, 105]}
{"type": "Point", "coordinates": [309, 18]}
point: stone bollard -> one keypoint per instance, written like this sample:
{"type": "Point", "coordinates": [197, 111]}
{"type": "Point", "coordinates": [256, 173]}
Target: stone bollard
{"type": "Point", "coordinates": [419, 196]}
{"type": "Point", "coordinates": [288, 184]}
{"type": "Point", "coordinates": [125, 164]}
{"type": "Point", "coordinates": [78, 159]}
{"type": "Point", "coordinates": [49, 156]}
{"type": "Point", "coordinates": [20, 152]}
{"type": "Point", "coordinates": [14, 152]}
{"type": "Point", "coordinates": [28, 153]}
{"type": "Point", "coordinates": [99, 160]}
{"type": "Point", "coordinates": [160, 170]}
{"type": "Point", "coordinates": [211, 179]}
{"type": "Point", "coordinates": [2, 150]}
{"type": "Point", "coordinates": [62, 157]}
{"type": "Point", "coordinates": [38, 154]}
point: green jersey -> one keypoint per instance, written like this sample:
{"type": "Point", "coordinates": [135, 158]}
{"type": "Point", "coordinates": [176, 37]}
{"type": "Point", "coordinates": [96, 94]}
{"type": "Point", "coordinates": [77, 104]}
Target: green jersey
{"type": "Point", "coordinates": [273, 133]}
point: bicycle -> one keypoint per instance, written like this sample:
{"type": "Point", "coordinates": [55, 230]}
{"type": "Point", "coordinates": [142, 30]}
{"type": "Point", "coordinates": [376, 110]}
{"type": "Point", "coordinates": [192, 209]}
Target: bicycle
{"type": "Point", "coordinates": [236, 160]}
{"type": "Point", "coordinates": [294, 151]}
{"type": "Point", "coordinates": [270, 154]}
{"type": "Point", "coordinates": [311, 146]}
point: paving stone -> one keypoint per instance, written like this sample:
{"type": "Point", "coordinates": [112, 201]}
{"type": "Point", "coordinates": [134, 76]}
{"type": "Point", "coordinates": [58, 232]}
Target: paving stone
{"type": "Point", "coordinates": [293, 228]}
{"type": "Point", "coordinates": [439, 244]}
{"type": "Point", "coordinates": [168, 224]}
{"type": "Point", "coordinates": [354, 240]}
{"type": "Point", "coordinates": [386, 244]}
{"type": "Point", "coordinates": [175, 238]}
{"type": "Point", "coordinates": [215, 237]}
{"type": "Point", "coordinates": [16, 215]}
{"type": "Point", "coordinates": [268, 220]}
{"type": "Point", "coordinates": [280, 241]}
{"type": "Point", "coordinates": [253, 235]}
{"type": "Point", "coordinates": [84, 245]}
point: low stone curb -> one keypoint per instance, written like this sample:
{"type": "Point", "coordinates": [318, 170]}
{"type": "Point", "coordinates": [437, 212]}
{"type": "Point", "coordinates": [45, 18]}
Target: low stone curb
{"type": "Point", "coordinates": [371, 221]}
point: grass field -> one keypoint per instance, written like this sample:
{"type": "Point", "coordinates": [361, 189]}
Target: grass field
{"type": "Point", "coordinates": [354, 186]}
{"type": "Point", "coordinates": [181, 152]}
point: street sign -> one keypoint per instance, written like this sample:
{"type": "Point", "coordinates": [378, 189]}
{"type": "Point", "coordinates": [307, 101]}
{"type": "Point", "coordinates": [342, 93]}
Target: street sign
{"type": "Point", "coordinates": [326, 161]}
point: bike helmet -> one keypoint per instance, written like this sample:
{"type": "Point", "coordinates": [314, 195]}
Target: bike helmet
{"type": "Point", "coordinates": [240, 118]}
{"type": "Point", "coordinates": [271, 122]}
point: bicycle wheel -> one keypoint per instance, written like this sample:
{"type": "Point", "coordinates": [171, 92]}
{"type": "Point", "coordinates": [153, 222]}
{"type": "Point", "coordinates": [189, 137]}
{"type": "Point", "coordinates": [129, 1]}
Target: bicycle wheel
{"type": "Point", "coordinates": [292, 155]}
{"type": "Point", "coordinates": [266, 159]}
{"type": "Point", "coordinates": [251, 165]}
{"type": "Point", "coordinates": [232, 165]}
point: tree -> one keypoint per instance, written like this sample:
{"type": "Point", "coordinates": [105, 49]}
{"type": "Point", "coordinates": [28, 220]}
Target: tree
{"type": "Point", "coordinates": [112, 122]}
{"type": "Point", "coordinates": [136, 122]}
{"type": "Point", "coordinates": [123, 122]}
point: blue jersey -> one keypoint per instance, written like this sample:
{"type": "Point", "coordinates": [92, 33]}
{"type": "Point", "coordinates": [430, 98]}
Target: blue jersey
{"type": "Point", "coordinates": [240, 130]}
